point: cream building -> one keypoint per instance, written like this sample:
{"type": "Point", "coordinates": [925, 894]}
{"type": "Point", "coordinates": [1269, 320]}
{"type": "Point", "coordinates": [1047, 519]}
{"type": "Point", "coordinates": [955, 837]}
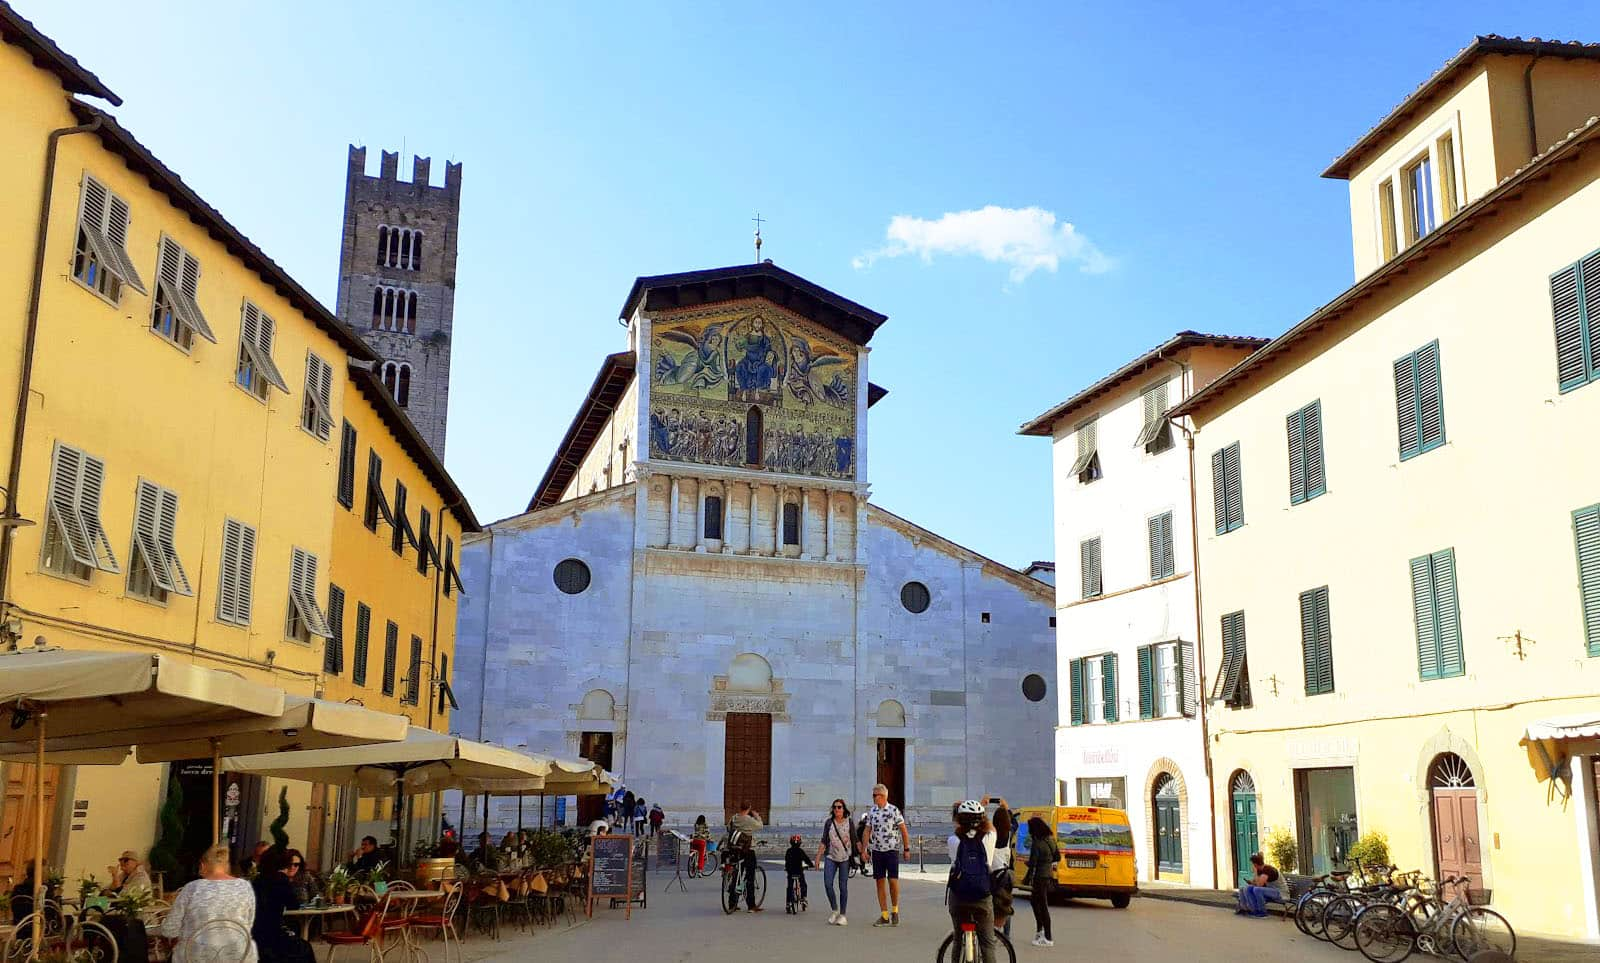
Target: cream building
{"type": "Point", "coordinates": [1400, 542]}
{"type": "Point", "coordinates": [1130, 735]}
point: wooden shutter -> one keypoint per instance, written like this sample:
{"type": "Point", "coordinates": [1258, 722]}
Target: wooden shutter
{"type": "Point", "coordinates": [1075, 671]}
{"type": "Point", "coordinates": [347, 466]}
{"type": "Point", "coordinates": [1086, 448]}
{"type": "Point", "coordinates": [1586, 532]}
{"type": "Point", "coordinates": [1089, 567]}
{"type": "Point", "coordinates": [1316, 641]}
{"type": "Point", "coordinates": [1405, 403]}
{"type": "Point", "coordinates": [1589, 277]}
{"type": "Point", "coordinates": [1108, 684]}
{"type": "Point", "coordinates": [66, 479]}
{"type": "Point", "coordinates": [358, 671]}
{"type": "Point", "coordinates": [377, 502]}
{"type": "Point", "coordinates": [1231, 684]}
{"type": "Point", "coordinates": [167, 539]}
{"type": "Point", "coordinates": [1227, 493]}
{"type": "Point", "coordinates": [1447, 613]}
{"type": "Point", "coordinates": [425, 549]}
{"type": "Point", "coordinates": [1427, 628]}
{"type": "Point", "coordinates": [235, 592]}
{"type": "Point", "coordinates": [1188, 679]}
{"type": "Point", "coordinates": [257, 332]}
{"type": "Point", "coordinates": [403, 532]}
{"type": "Point", "coordinates": [319, 397]}
{"type": "Point", "coordinates": [91, 483]}
{"type": "Point", "coordinates": [1219, 491]}
{"type": "Point", "coordinates": [147, 533]}
{"type": "Point", "coordinates": [414, 670]}
{"type": "Point", "coordinates": [333, 648]}
{"type": "Point", "coordinates": [1154, 401]}
{"type": "Point", "coordinates": [1147, 686]}
{"type": "Point", "coordinates": [1161, 559]}
{"type": "Point", "coordinates": [391, 645]}
{"type": "Point", "coordinates": [303, 591]}
{"type": "Point", "coordinates": [104, 220]}
{"type": "Point", "coordinates": [1572, 344]}
{"type": "Point", "coordinates": [450, 574]}
{"type": "Point", "coordinates": [178, 274]}
{"type": "Point", "coordinates": [1430, 398]}
{"type": "Point", "coordinates": [1311, 431]}
{"type": "Point", "coordinates": [1297, 457]}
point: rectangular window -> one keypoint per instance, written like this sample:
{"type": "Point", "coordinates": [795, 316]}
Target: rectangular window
{"type": "Point", "coordinates": [791, 523]}
{"type": "Point", "coordinates": [451, 576]}
{"type": "Point", "coordinates": [1095, 689]}
{"type": "Point", "coordinates": [1089, 567]}
{"type": "Point", "coordinates": [1316, 639]}
{"type": "Point", "coordinates": [358, 671]}
{"type": "Point", "coordinates": [1449, 201]}
{"type": "Point", "coordinates": [1586, 532]}
{"type": "Point", "coordinates": [1438, 615]}
{"type": "Point", "coordinates": [76, 542]}
{"type": "Point", "coordinates": [316, 411]}
{"type": "Point", "coordinates": [347, 466]}
{"type": "Point", "coordinates": [1575, 308]}
{"type": "Point", "coordinates": [1161, 557]}
{"type": "Point", "coordinates": [1386, 224]}
{"type": "Point", "coordinates": [1227, 492]}
{"type": "Point", "coordinates": [333, 648]}
{"type": "Point", "coordinates": [1107, 791]}
{"type": "Point", "coordinates": [153, 566]}
{"type": "Point", "coordinates": [1308, 476]}
{"type": "Point", "coordinates": [1233, 680]}
{"type": "Point", "coordinates": [1086, 467]}
{"type": "Point", "coordinates": [235, 581]}
{"type": "Point", "coordinates": [425, 549]}
{"type": "Point", "coordinates": [304, 618]}
{"type": "Point", "coordinates": [174, 313]}
{"type": "Point", "coordinates": [400, 523]}
{"type": "Point", "coordinates": [100, 261]}
{"type": "Point", "coordinates": [391, 645]}
{"type": "Point", "coordinates": [256, 372]}
{"type": "Point", "coordinates": [1419, 401]}
{"type": "Point", "coordinates": [377, 502]}
{"type": "Point", "coordinates": [414, 672]}
{"type": "Point", "coordinates": [713, 509]}
{"type": "Point", "coordinates": [447, 699]}
{"type": "Point", "coordinates": [1167, 680]}
{"type": "Point", "coordinates": [1156, 435]}
{"type": "Point", "coordinates": [1417, 183]}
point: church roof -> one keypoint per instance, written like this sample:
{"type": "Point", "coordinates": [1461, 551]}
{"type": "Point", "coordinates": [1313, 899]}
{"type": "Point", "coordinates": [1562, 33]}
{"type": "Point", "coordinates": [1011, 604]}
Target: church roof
{"type": "Point", "coordinates": [74, 76]}
{"type": "Point", "coordinates": [616, 373]}
{"type": "Point", "coordinates": [764, 280]}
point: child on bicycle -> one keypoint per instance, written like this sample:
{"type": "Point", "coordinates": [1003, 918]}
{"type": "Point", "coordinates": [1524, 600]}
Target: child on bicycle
{"type": "Point", "coordinates": [970, 889]}
{"type": "Point", "coordinates": [795, 864]}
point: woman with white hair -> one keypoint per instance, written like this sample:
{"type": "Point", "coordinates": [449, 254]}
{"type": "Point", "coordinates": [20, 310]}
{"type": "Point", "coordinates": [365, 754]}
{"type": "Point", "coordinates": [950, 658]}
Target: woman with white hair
{"type": "Point", "coordinates": [212, 916]}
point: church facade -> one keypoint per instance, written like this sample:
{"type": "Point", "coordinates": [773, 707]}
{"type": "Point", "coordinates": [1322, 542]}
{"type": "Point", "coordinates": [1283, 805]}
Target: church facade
{"type": "Point", "coordinates": [702, 597]}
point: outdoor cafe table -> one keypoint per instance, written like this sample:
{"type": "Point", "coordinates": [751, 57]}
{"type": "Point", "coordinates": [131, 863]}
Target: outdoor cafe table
{"type": "Point", "coordinates": [309, 913]}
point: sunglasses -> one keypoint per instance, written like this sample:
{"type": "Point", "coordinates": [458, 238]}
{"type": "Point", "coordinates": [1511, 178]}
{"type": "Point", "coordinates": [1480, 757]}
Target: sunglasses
{"type": "Point", "coordinates": [296, 865]}
{"type": "Point", "coordinates": [838, 807]}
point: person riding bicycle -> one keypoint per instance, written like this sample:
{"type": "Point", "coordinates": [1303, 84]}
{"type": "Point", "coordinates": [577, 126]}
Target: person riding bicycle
{"type": "Point", "coordinates": [742, 829]}
{"type": "Point", "coordinates": [795, 864]}
{"type": "Point", "coordinates": [969, 890]}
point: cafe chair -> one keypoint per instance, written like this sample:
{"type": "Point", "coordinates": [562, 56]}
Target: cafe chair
{"type": "Point", "coordinates": [219, 941]}
{"type": "Point", "coordinates": [444, 922]}
{"type": "Point", "coordinates": [369, 932]}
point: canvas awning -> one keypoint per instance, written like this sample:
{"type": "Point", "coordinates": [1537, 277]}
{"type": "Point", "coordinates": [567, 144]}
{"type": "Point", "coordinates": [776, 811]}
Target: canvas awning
{"type": "Point", "coordinates": [567, 777]}
{"type": "Point", "coordinates": [1552, 742]}
{"type": "Point", "coordinates": [305, 724]}
{"type": "Point", "coordinates": [424, 761]}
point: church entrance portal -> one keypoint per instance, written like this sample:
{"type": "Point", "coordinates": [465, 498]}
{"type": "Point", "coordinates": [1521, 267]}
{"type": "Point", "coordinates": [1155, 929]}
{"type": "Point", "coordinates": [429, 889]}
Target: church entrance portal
{"type": "Point", "coordinates": [747, 763]}
{"type": "Point", "coordinates": [595, 747]}
{"type": "Point", "coordinates": [892, 769]}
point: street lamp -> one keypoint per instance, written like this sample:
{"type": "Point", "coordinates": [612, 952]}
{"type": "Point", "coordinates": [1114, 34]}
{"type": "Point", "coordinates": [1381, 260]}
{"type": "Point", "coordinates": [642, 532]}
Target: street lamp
{"type": "Point", "coordinates": [9, 518]}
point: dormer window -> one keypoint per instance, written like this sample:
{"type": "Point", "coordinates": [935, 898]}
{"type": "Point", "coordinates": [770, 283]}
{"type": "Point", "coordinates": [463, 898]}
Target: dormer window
{"type": "Point", "coordinates": [1418, 194]}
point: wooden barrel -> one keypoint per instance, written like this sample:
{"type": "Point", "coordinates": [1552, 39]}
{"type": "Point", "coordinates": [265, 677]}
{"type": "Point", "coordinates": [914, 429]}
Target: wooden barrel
{"type": "Point", "coordinates": [431, 871]}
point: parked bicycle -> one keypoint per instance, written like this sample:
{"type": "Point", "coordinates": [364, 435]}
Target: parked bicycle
{"type": "Point", "coordinates": [1387, 933]}
{"type": "Point", "coordinates": [966, 950]}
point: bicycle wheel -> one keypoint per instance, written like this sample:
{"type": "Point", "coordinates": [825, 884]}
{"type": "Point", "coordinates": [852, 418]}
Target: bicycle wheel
{"type": "Point", "coordinates": [1308, 915]}
{"type": "Point", "coordinates": [1004, 952]}
{"type": "Point", "coordinates": [759, 884]}
{"type": "Point", "coordinates": [1384, 934]}
{"type": "Point", "coordinates": [731, 891]}
{"type": "Point", "coordinates": [1339, 922]}
{"type": "Point", "coordinates": [1480, 929]}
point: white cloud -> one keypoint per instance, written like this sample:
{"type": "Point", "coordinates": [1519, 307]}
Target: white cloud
{"type": "Point", "coordinates": [1027, 238]}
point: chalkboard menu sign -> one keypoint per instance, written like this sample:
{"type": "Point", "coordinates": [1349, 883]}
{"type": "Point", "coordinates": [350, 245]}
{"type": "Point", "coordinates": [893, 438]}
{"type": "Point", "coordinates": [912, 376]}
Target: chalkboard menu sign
{"type": "Point", "coordinates": [611, 870]}
{"type": "Point", "coordinates": [667, 849]}
{"type": "Point", "coordinates": [641, 869]}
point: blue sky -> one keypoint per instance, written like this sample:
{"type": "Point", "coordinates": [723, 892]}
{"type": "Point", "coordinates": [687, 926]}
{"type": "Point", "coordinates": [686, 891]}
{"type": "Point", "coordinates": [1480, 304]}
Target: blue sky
{"type": "Point", "coordinates": [1181, 141]}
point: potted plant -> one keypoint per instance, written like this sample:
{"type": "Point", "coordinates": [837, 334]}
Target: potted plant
{"type": "Point", "coordinates": [337, 886]}
{"type": "Point", "coordinates": [1371, 851]}
{"type": "Point", "coordinates": [88, 889]}
{"type": "Point", "coordinates": [130, 903]}
{"type": "Point", "coordinates": [1282, 849]}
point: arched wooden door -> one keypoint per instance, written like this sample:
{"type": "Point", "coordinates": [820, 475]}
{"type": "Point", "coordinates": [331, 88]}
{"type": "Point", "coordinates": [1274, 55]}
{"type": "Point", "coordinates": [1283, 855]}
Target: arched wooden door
{"type": "Point", "coordinates": [1169, 825]}
{"type": "Point", "coordinates": [1246, 840]}
{"type": "Point", "coordinates": [1453, 795]}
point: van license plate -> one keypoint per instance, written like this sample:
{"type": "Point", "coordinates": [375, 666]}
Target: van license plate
{"type": "Point", "coordinates": [1081, 864]}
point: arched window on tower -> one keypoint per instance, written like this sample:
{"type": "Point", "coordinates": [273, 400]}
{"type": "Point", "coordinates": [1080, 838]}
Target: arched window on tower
{"type": "Point", "coordinates": [752, 437]}
{"type": "Point", "coordinates": [383, 245]}
{"type": "Point", "coordinates": [405, 249]}
{"type": "Point", "coordinates": [402, 388]}
{"type": "Point", "coordinates": [411, 313]}
{"type": "Point", "coordinates": [387, 375]}
{"type": "Point", "coordinates": [416, 250]}
{"type": "Point", "coordinates": [377, 307]}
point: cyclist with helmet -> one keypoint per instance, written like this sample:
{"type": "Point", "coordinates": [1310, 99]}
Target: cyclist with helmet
{"type": "Point", "coordinates": [795, 864]}
{"type": "Point", "coordinates": [970, 889]}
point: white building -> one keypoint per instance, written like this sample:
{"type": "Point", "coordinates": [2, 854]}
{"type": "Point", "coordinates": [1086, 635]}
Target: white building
{"type": "Point", "coordinates": [702, 598]}
{"type": "Point", "coordinates": [1132, 733]}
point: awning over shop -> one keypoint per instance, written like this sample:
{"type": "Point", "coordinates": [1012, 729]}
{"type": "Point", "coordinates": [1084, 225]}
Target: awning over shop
{"type": "Point", "coordinates": [1552, 742]}
{"type": "Point", "coordinates": [305, 724]}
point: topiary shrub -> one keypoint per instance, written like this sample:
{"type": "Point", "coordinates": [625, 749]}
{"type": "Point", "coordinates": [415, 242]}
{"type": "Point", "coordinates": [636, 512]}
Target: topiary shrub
{"type": "Point", "coordinates": [164, 854]}
{"type": "Point", "coordinates": [1371, 850]}
{"type": "Point", "coordinates": [1282, 850]}
{"type": "Point", "coordinates": [280, 838]}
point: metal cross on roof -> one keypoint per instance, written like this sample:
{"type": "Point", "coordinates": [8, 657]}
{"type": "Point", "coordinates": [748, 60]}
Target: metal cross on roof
{"type": "Point", "coordinates": [759, 220]}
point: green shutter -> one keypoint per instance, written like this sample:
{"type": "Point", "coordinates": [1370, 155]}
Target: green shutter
{"type": "Point", "coordinates": [1089, 567]}
{"type": "Point", "coordinates": [1232, 652]}
{"type": "Point", "coordinates": [1188, 680]}
{"type": "Point", "coordinates": [1235, 486]}
{"type": "Point", "coordinates": [1589, 279]}
{"type": "Point", "coordinates": [1430, 399]}
{"type": "Point", "coordinates": [1573, 363]}
{"type": "Point", "coordinates": [1147, 684]}
{"type": "Point", "coordinates": [1076, 671]}
{"type": "Point", "coordinates": [1297, 458]}
{"type": "Point", "coordinates": [1427, 629]}
{"type": "Point", "coordinates": [1586, 531]}
{"type": "Point", "coordinates": [1324, 641]}
{"type": "Point", "coordinates": [1311, 431]}
{"type": "Point", "coordinates": [1219, 490]}
{"type": "Point", "coordinates": [1108, 684]}
{"type": "Point", "coordinates": [1405, 403]}
{"type": "Point", "coordinates": [1447, 614]}
{"type": "Point", "coordinates": [1161, 558]}
{"type": "Point", "coordinates": [1316, 639]}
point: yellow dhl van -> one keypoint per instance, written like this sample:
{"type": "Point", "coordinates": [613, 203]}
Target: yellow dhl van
{"type": "Point", "coordinates": [1096, 852]}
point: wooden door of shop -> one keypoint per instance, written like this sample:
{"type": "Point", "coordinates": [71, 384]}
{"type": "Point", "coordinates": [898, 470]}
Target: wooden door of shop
{"type": "Point", "coordinates": [892, 769]}
{"type": "Point", "coordinates": [1169, 826]}
{"type": "Point", "coordinates": [595, 747]}
{"type": "Point", "coordinates": [1455, 835]}
{"type": "Point", "coordinates": [747, 763]}
{"type": "Point", "coordinates": [1245, 841]}
{"type": "Point", "coordinates": [20, 813]}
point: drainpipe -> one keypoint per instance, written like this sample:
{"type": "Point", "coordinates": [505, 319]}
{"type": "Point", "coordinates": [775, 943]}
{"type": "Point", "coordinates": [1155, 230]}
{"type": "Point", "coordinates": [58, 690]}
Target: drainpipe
{"type": "Point", "coordinates": [1527, 93]}
{"type": "Point", "coordinates": [1199, 628]}
{"type": "Point", "coordinates": [30, 341]}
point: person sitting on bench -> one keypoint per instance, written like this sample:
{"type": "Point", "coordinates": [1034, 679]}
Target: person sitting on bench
{"type": "Point", "coordinates": [1261, 890]}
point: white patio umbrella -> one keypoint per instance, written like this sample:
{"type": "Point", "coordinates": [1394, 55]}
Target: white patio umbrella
{"type": "Point", "coordinates": [567, 777]}
{"type": "Point", "coordinates": [67, 702]}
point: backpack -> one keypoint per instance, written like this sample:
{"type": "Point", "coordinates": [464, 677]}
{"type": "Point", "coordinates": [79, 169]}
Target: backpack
{"type": "Point", "coordinates": [969, 877]}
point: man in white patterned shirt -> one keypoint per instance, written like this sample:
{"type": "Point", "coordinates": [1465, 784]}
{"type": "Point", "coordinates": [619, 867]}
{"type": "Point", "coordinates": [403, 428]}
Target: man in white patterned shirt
{"type": "Point", "coordinates": [887, 838]}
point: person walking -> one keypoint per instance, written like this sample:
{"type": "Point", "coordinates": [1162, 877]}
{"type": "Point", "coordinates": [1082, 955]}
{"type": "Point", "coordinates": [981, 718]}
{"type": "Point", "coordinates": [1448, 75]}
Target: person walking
{"type": "Point", "coordinates": [1043, 854]}
{"type": "Point", "coordinates": [657, 817]}
{"type": "Point", "coordinates": [833, 855]}
{"type": "Point", "coordinates": [1001, 878]}
{"type": "Point", "coordinates": [887, 839]}
{"type": "Point", "coordinates": [970, 886]}
{"type": "Point", "coordinates": [639, 815]}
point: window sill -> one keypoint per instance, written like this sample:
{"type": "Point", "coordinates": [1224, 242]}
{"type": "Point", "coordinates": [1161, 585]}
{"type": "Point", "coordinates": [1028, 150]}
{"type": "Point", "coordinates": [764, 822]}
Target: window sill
{"type": "Point", "coordinates": [251, 394]}
{"type": "Point", "coordinates": [1418, 454]}
{"type": "Point", "coordinates": [148, 600]}
{"type": "Point", "coordinates": [98, 296]}
{"type": "Point", "coordinates": [1133, 588]}
{"type": "Point", "coordinates": [219, 620]}
{"type": "Point", "coordinates": [189, 351]}
{"type": "Point", "coordinates": [316, 437]}
{"type": "Point", "coordinates": [66, 577]}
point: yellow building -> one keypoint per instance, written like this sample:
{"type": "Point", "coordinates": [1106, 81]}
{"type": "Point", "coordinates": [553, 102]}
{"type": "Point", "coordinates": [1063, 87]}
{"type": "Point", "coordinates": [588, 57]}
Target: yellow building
{"type": "Point", "coordinates": [181, 422]}
{"type": "Point", "coordinates": [1400, 538]}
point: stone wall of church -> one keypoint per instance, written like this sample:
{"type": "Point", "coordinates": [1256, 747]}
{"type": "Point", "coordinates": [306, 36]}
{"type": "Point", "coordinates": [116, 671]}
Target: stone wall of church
{"type": "Point", "coordinates": [610, 459]}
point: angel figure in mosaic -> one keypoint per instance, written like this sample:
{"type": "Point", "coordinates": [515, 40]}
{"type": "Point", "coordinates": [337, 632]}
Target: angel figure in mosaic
{"type": "Point", "coordinates": [803, 364]}
{"type": "Point", "coordinates": [698, 367]}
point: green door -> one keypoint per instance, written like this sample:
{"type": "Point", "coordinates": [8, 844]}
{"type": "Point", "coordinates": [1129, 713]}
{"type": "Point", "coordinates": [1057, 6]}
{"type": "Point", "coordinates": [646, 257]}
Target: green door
{"type": "Point", "coordinates": [1169, 827]}
{"type": "Point", "coordinates": [1245, 842]}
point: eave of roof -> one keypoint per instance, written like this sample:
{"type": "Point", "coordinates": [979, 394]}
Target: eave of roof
{"type": "Point", "coordinates": [139, 159]}
{"type": "Point", "coordinates": [616, 373]}
{"type": "Point", "coordinates": [1344, 165]}
{"type": "Point", "coordinates": [75, 77]}
{"type": "Point", "coordinates": [1470, 217]}
{"type": "Point", "coordinates": [373, 390]}
{"type": "Point", "coordinates": [763, 280]}
{"type": "Point", "coordinates": [1044, 425]}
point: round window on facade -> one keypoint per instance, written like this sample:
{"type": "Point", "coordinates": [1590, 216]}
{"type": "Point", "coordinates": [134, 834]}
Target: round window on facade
{"type": "Point", "coordinates": [1033, 687]}
{"type": "Point", "coordinates": [572, 576]}
{"type": "Point", "coordinates": [914, 596]}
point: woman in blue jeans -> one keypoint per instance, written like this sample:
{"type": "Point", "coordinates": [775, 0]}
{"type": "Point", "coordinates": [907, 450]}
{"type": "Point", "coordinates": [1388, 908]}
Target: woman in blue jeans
{"type": "Point", "coordinates": [833, 854]}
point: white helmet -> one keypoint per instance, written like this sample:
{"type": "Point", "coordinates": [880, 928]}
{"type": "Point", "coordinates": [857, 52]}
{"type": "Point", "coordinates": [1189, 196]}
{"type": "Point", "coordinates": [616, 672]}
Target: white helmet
{"type": "Point", "coordinates": [970, 807]}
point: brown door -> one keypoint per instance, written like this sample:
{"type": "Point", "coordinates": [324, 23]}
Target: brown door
{"type": "Point", "coordinates": [595, 747]}
{"type": "Point", "coordinates": [747, 763]}
{"type": "Point", "coordinates": [1455, 835]}
{"type": "Point", "coordinates": [892, 769]}
{"type": "Point", "coordinates": [20, 813]}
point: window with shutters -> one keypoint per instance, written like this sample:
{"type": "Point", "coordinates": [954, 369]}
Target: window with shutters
{"type": "Point", "coordinates": [400, 523]}
{"type": "Point", "coordinates": [333, 648]}
{"type": "Point", "coordinates": [414, 672]}
{"type": "Point", "coordinates": [1156, 434]}
{"type": "Point", "coordinates": [1438, 615]}
{"type": "Point", "coordinates": [100, 259]}
{"type": "Point", "coordinates": [1094, 687]}
{"type": "Point", "coordinates": [1419, 401]}
{"type": "Point", "coordinates": [426, 552]}
{"type": "Point", "coordinates": [257, 373]}
{"type": "Point", "coordinates": [1227, 490]}
{"type": "Point", "coordinates": [447, 699]}
{"type": "Point", "coordinates": [304, 618]}
{"type": "Point", "coordinates": [174, 311]}
{"type": "Point", "coordinates": [1093, 692]}
{"type": "Point", "coordinates": [1575, 307]}
{"type": "Point", "coordinates": [1308, 477]}
{"type": "Point", "coordinates": [154, 569]}
{"type": "Point", "coordinates": [236, 576]}
{"type": "Point", "coordinates": [347, 466]}
{"type": "Point", "coordinates": [1233, 679]}
{"type": "Point", "coordinates": [394, 309]}
{"type": "Point", "coordinates": [1086, 467]}
{"type": "Point", "coordinates": [1316, 639]}
{"type": "Point", "coordinates": [377, 502]}
{"type": "Point", "coordinates": [316, 411]}
{"type": "Point", "coordinates": [391, 646]}
{"type": "Point", "coordinates": [450, 574]}
{"type": "Point", "coordinates": [75, 543]}
{"type": "Point", "coordinates": [1161, 557]}
{"type": "Point", "coordinates": [358, 667]}
{"type": "Point", "coordinates": [1586, 533]}
{"type": "Point", "coordinates": [1167, 680]}
{"type": "Point", "coordinates": [1089, 567]}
